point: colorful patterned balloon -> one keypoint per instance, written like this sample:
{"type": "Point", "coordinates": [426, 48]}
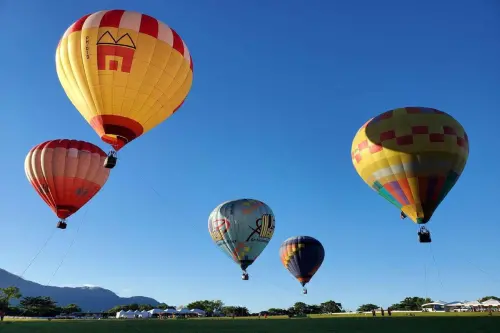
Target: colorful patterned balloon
{"type": "Point", "coordinates": [412, 157]}
{"type": "Point", "coordinates": [302, 256]}
{"type": "Point", "coordinates": [242, 229]}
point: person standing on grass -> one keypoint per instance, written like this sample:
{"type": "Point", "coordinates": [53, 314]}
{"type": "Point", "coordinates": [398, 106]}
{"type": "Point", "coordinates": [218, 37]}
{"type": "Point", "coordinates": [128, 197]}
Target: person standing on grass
{"type": "Point", "coordinates": [2, 314]}
{"type": "Point", "coordinates": [373, 312]}
{"type": "Point", "coordinates": [382, 312]}
{"type": "Point", "coordinates": [389, 311]}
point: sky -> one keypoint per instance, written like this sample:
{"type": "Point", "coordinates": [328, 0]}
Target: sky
{"type": "Point", "coordinates": [287, 83]}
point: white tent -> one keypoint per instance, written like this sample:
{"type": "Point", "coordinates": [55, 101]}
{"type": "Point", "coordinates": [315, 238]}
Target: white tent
{"type": "Point", "coordinates": [144, 314]}
{"type": "Point", "coordinates": [472, 303]}
{"type": "Point", "coordinates": [199, 312]}
{"type": "Point", "coordinates": [433, 303]}
{"type": "Point", "coordinates": [156, 311]}
{"type": "Point", "coordinates": [171, 311]}
{"type": "Point", "coordinates": [184, 311]}
{"type": "Point", "coordinates": [454, 304]}
{"type": "Point", "coordinates": [129, 314]}
{"type": "Point", "coordinates": [491, 302]}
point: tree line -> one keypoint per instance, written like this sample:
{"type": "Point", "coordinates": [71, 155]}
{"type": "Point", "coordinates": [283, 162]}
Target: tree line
{"type": "Point", "coordinates": [43, 306]}
{"type": "Point", "coordinates": [40, 306]}
{"type": "Point", "coordinates": [217, 307]}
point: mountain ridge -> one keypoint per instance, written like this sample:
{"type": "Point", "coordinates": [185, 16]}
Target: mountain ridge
{"type": "Point", "coordinates": [89, 298]}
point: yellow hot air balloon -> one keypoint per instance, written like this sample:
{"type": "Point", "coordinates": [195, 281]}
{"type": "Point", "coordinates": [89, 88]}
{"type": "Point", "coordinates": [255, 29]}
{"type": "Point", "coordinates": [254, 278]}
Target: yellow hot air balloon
{"type": "Point", "coordinates": [412, 157]}
{"type": "Point", "coordinates": [125, 72]}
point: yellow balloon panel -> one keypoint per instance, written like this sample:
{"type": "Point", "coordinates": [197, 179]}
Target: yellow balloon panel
{"type": "Point", "coordinates": [124, 71]}
{"type": "Point", "coordinates": [412, 157]}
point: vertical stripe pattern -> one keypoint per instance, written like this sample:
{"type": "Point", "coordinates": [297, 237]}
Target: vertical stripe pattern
{"type": "Point", "coordinates": [412, 157]}
{"type": "Point", "coordinates": [302, 256]}
{"type": "Point", "coordinates": [66, 173]}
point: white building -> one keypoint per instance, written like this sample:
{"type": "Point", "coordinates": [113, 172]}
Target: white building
{"type": "Point", "coordinates": [460, 306]}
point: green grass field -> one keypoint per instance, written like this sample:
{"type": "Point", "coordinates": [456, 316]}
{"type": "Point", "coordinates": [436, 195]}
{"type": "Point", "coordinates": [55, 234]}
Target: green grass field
{"type": "Point", "coordinates": [421, 323]}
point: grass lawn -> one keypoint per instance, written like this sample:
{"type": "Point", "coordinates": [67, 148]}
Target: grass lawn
{"type": "Point", "coordinates": [463, 323]}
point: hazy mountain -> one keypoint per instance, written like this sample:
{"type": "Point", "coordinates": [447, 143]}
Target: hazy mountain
{"type": "Point", "coordinates": [88, 298]}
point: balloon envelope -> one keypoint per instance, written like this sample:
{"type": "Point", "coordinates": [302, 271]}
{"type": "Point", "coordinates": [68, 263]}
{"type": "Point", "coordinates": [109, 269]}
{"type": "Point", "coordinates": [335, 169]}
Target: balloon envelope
{"type": "Point", "coordinates": [242, 229]}
{"type": "Point", "coordinates": [124, 71]}
{"type": "Point", "coordinates": [302, 256]}
{"type": "Point", "coordinates": [66, 173]}
{"type": "Point", "coordinates": [412, 157]}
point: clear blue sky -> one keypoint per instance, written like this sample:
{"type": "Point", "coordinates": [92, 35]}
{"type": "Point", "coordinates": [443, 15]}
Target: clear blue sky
{"type": "Point", "coordinates": [287, 83]}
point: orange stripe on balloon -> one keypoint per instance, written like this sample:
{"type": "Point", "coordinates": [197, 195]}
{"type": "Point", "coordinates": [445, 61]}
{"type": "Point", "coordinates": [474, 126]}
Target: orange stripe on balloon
{"type": "Point", "coordinates": [405, 187]}
{"type": "Point", "coordinates": [394, 193]}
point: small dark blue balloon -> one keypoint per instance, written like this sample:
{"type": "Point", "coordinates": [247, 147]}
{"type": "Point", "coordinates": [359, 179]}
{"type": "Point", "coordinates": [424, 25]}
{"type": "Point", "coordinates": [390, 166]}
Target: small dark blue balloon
{"type": "Point", "coordinates": [302, 256]}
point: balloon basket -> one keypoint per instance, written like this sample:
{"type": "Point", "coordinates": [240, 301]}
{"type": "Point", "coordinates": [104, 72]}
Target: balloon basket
{"type": "Point", "coordinates": [424, 235]}
{"type": "Point", "coordinates": [62, 225]}
{"type": "Point", "coordinates": [110, 161]}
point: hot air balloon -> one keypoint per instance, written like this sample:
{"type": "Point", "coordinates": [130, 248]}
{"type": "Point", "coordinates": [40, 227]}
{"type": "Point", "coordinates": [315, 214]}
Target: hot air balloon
{"type": "Point", "coordinates": [302, 256]}
{"type": "Point", "coordinates": [125, 72]}
{"type": "Point", "coordinates": [66, 174]}
{"type": "Point", "coordinates": [242, 229]}
{"type": "Point", "coordinates": [412, 157]}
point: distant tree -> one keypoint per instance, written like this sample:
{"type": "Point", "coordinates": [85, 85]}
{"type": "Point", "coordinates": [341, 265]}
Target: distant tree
{"type": "Point", "coordinates": [71, 308]}
{"type": "Point", "coordinates": [238, 311]}
{"type": "Point", "coordinates": [14, 311]}
{"type": "Point", "coordinates": [162, 306]}
{"type": "Point", "coordinates": [368, 307]}
{"type": "Point", "coordinates": [145, 307]}
{"type": "Point", "coordinates": [39, 306]}
{"type": "Point", "coordinates": [276, 312]}
{"type": "Point", "coordinates": [330, 307]}
{"type": "Point", "coordinates": [202, 305]}
{"type": "Point", "coordinates": [485, 298]}
{"type": "Point", "coordinates": [7, 294]}
{"type": "Point", "coordinates": [116, 309]}
{"type": "Point", "coordinates": [207, 306]}
{"type": "Point", "coordinates": [133, 306]}
{"type": "Point", "coordinates": [4, 304]}
{"type": "Point", "coordinates": [411, 304]}
{"type": "Point", "coordinates": [313, 309]}
{"type": "Point", "coordinates": [299, 308]}
{"type": "Point", "coordinates": [217, 305]}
